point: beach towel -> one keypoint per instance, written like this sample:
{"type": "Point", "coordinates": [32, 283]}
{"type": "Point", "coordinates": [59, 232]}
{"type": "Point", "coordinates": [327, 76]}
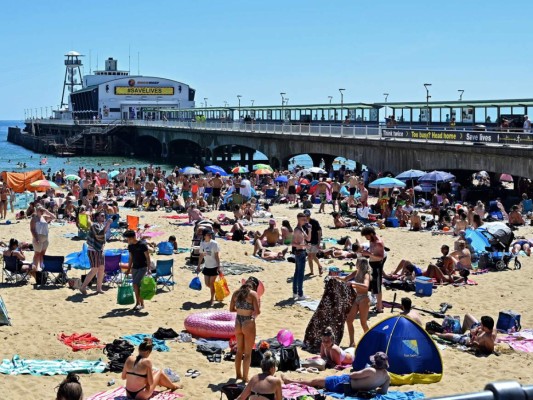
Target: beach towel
{"type": "Point", "coordinates": [80, 341]}
{"type": "Point", "coordinates": [137, 339]}
{"type": "Point", "coordinates": [295, 390]}
{"type": "Point", "coordinates": [21, 366]}
{"type": "Point", "coordinates": [152, 234]}
{"type": "Point", "coordinates": [179, 216]}
{"type": "Point", "coordinates": [232, 268]}
{"type": "Point", "coordinates": [519, 341]}
{"type": "Point", "coordinates": [309, 304]}
{"type": "Point", "coordinates": [182, 250]}
{"type": "Point", "coordinates": [120, 394]}
{"type": "Point", "coordinates": [389, 396]}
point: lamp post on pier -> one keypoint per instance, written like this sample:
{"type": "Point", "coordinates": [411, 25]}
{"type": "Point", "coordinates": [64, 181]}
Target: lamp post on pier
{"type": "Point", "coordinates": [386, 98]}
{"type": "Point", "coordinates": [427, 85]}
{"type": "Point", "coordinates": [282, 94]}
{"type": "Point", "coordinates": [239, 98]}
{"type": "Point", "coordinates": [342, 101]}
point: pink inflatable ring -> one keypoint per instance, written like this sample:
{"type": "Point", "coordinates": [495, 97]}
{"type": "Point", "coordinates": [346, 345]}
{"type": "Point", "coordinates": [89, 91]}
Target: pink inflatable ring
{"type": "Point", "coordinates": [211, 324]}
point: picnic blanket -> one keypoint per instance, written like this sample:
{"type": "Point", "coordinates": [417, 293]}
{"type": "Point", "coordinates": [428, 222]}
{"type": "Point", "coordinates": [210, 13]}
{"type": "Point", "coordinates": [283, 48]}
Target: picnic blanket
{"type": "Point", "coordinates": [519, 341]}
{"type": "Point", "coordinates": [21, 366]}
{"type": "Point", "coordinates": [137, 339]}
{"type": "Point", "coordinates": [152, 234]}
{"type": "Point", "coordinates": [179, 216]}
{"type": "Point", "coordinates": [80, 341]}
{"type": "Point", "coordinates": [120, 394]}
{"type": "Point", "coordinates": [389, 396]}
{"type": "Point", "coordinates": [232, 268]}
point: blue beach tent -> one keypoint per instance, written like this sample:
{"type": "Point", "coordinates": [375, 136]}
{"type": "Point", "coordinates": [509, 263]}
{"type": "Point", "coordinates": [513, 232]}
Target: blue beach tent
{"type": "Point", "coordinates": [413, 356]}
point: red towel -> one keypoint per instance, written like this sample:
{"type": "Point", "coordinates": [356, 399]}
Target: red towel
{"type": "Point", "coordinates": [81, 341]}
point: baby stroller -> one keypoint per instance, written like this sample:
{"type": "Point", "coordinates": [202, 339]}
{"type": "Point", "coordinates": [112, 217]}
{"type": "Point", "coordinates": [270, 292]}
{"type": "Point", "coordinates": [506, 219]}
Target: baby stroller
{"type": "Point", "coordinates": [490, 246]}
{"type": "Point", "coordinates": [197, 239]}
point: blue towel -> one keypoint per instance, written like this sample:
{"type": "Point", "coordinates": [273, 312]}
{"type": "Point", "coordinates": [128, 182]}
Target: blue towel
{"type": "Point", "coordinates": [19, 366]}
{"type": "Point", "coordinates": [389, 396]}
{"type": "Point", "coordinates": [137, 339]}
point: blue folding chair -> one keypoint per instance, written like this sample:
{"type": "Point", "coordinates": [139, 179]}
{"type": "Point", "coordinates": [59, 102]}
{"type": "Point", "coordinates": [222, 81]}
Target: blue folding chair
{"type": "Point", "coordinates": [115, 231]}
{"type": "Point", "coordinates": [164, 273]}
{"type": "Point", "coordinates": [55, 266]}
{"type": "Point", "coordinates": [270, 194]}
{"type": "Point", "coordinates": [112, 268]}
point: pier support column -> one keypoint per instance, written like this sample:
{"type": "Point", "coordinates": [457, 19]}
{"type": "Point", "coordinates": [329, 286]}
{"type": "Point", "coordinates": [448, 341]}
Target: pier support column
{"type": "Point", "coordinates": [251, 159]}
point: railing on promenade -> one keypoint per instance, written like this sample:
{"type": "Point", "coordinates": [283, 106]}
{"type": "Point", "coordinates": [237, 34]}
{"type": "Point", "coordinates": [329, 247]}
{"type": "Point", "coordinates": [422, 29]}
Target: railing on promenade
{"type": "Point", "coordinates": [419, 134]}
{"type": "Point", "coordinates": [505, 390]}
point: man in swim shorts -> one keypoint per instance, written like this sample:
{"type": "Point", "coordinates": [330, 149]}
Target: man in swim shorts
{"type": "Point", "coordinates": [478, 335]}
{"type": "Point", "coordinates": [216, 183]}
{"type": "Point", "coordinates": [375, 377]}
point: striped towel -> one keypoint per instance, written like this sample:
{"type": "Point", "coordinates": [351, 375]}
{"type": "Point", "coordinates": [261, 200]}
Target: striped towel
{"type": "Point", "coordinates": [20, 366]}
{"type": "Point", "coordinates": [120, 394]}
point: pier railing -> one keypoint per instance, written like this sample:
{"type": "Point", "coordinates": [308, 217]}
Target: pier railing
{"type": "Point", "coordinates": [460, 135]}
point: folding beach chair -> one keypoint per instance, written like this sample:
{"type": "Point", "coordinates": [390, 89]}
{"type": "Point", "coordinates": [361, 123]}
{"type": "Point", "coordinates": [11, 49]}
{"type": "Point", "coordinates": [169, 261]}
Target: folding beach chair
{"type": "Point", "coordinates": [133, 222]}
{"type": "Point", "coordinates": [115, 231]}
{"type": "Point", "coordinates": [83, 226]}
{"type": "Point", "coordinates": [270, 194]}
{"type": "Point", "coordinates": [527, 206]}
{"type": "Point", "coordinates": [13, 271]}
{"type": "Point", "coordinates": [164, 273]}
{"type": "Point", "coordinates": [55, 267]}
{"type": "Point", "coordinates": [112, 269]}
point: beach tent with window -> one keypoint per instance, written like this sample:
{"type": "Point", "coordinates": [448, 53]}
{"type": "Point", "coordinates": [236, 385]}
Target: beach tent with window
{"type": "Point", "coordinates": [413, 356]}
{"type": "Point", "coordinates": [20, 181]}
{"type": "Point", "coordinates": [4, 318]}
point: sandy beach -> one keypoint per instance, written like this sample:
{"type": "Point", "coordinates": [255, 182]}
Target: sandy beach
{"type": "Point", "coordinates": [39, 315]}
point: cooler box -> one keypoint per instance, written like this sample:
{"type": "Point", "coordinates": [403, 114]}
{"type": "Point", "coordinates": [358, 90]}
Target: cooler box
{"type": "Point", "coordinates": [423, 286]}
{"type": "Point", "coordinates": [392, 223]}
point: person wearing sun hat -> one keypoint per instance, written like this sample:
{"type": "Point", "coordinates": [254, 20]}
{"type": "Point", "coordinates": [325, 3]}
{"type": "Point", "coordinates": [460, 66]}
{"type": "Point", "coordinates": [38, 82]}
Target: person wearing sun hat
{"type": "Point", "coordinates": [374, 377]}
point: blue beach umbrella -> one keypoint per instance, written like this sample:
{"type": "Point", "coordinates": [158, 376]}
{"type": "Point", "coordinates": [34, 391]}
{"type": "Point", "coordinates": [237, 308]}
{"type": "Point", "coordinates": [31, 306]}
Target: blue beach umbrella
{"type": "Point", "coordinates": [435, 177]}
{"type": "Point", "coordinates": [281, 179]}
{"type": "Point", "coordinates": [386, 183]}
{"type": "Point", "coordinates": [215, 168]}
{"type": "Point", "coordinates": [412, 174]}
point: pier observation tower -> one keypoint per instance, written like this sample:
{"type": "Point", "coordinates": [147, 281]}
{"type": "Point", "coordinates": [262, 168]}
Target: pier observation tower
{"type": "Point", "coordinates": [73, 78]}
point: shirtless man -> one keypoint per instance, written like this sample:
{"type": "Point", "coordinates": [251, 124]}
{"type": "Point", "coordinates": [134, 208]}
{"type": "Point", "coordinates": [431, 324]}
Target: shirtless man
{"type": "Point", "coordinates": [340, 222]}
{"type": "Point", "coordinates": [186, 189]}
{"type": "Point", "coordinates": [364, 193]}
{"type": "Point", "coordinates": [353, 188]}
{"type": "Point", "coordinates": [194, 214]}
{"type": "Point", "coordinates": [335, 194]}
{"type": "Point", "coordinates": [480, 336]}
{"type": "Point", "coordinates": [322, 189]}
{"type": "Point", "coordinates": [376, 255]}
{"type": "Point", "coordinates": [291, 184]}
{"type": "Point", "coordinates": [270, 237]}
{"type": "Point", "coordinates": [515, 217]}
{"type": "Point", "coordinates": [149, 187]}
{"type": "Point", "coordinates": [375, 377]}
{"type": "Point", "coordinates": [409, 312]}
{"type": "Point", "coordinates": [216, 183]}
{"type": "Point", "coordinates": [462, 257]}
{"type": "Point", "coordinates": [269, 255]}
{"type": "Point", "coordinates": [415, 222]}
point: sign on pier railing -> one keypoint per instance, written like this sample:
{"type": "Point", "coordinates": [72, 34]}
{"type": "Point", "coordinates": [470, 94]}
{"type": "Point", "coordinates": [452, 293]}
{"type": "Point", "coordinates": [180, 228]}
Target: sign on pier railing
{"type": "Point", "coordinates": [459, 136]}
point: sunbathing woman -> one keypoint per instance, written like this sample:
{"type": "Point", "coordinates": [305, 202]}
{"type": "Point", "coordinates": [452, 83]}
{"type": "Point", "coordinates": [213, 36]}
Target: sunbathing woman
{"type": "Point", "coordinates": [415, 221]}
{"type": "Point", "coordinates": [245, 303]}
{"type": "Point", "coordinates": [270, 255]}
{"type": "Point", "coordinates": [264, 386]}
{"type": "Point", "coordinates": [340, 222]}
{"type": "Point", "coordinates": [332, 353]}
{"type": "Point", "coordinates": [361, 282]}
{"type": "Point", "coordinates": [522, 244]}
{"type": "Point", "coordinates": [286, 232]}
{"type": "Point", "coordinates": [141, 378]}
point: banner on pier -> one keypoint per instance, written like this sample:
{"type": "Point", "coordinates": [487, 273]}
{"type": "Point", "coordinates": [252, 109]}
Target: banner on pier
{"type": "Point", "coordinates": [144, 90]}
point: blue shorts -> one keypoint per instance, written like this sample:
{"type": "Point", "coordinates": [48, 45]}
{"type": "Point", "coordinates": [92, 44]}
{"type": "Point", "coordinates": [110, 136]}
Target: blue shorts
{"type": "Point", "coordinates": [336, 383]}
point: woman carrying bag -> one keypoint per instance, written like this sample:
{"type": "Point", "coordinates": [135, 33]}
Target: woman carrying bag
{"type": "Point", "coordinates": [209, 252]}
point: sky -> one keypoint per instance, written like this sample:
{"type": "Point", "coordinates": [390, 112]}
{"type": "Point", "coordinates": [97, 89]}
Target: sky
{"type": "Point", "coordinates": [305, 48]}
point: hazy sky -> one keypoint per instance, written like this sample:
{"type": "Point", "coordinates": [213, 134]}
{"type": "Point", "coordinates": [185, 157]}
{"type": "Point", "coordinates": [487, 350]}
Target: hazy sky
{"type": "Point", "coordinates": [306, 48]}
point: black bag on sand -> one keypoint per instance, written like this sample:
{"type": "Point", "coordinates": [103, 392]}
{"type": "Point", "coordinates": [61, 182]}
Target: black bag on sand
{"type": "Point", "coordinates": [257, 357]}
{"type": "Point", "coordinates": [288, 359]}
{"type": "Point", "coordinates": [165, 333]}
{"type": "Point", "coordinates": [232, 391]}
{"type": "Point", "coordinates": [117, 353]}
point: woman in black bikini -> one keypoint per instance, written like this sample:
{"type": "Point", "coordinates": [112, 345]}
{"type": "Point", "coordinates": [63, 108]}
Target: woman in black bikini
{"type": "Point", "coordinates": [264, 386]}
{"type": "Point", "coordinates": [141, 378]}
{"type": "Point", "coordinates": [245, 303]}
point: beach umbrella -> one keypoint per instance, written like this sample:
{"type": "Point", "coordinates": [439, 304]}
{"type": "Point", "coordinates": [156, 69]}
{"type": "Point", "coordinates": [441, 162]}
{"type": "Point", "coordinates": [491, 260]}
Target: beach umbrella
{"type": "Point", "coordinates": [43, 183]}
{"type": "Point", "coordinates": [412, 174]}
{"type": "Point", "coordinates": [386, 183]}
{"type": "Point", "coordinates": [72, 177]}
{"type": "Point", "coordinates": [317, 170]}
{"type": "Point", "coordinates": [281, 179]}
{"type": "Point", "coordinates": [506, 178]}
{"type": "Point", "coordinates": [112, 174]}
{"type": "Point", "coordinates": [436, 177]}
{"type": "Point", "coordinates": [240, 170]}
{"type": "Point", "coordinates": [191, 171]}
{"type": "Point", "coordinates": [303, 172]}
{"type": "Point", "coordinates": [216, 169]}
{"type": "Point", "coordinates": [263, 172]}
{"type": "Point", "coordinates": [423, 188]}
{"type": "Point", "coordinates": [262, 166]}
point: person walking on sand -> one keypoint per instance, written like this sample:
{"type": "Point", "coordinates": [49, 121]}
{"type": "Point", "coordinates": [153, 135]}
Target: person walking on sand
{"type": "Point", "coordinates": [95, 252]}
{"type": "Point", "coordinates": [39, 230]}
{"type": "Point", "coordinates": [376, 257]}
{"type": "Point", "coordinates": [245, 302]}
{"type": "Point", "coordinates": [209, 252]}
{"type": "Point", "coordinates": [299, 248]}
{"type": "Point", "coordinates": [137, 264]}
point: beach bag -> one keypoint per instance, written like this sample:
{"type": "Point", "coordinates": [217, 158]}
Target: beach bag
{"type": "Point", "coordinates": [508, 321]}
{"type": "Point", "coordinates": [221, 288]}
{"type": "Point", "coordinates": [232, 391]}
{"type": "Point", "coordinates": [288, 359]}
{"type": "Point", "coordinates": [165, 333]}
{"type": "Point", "coordinates": [165, 248]}
{"type": "Point", "coordinates": [148, 287]}
{"type": "Point", "coordinates": [125, 294]}
{"type": "Point", "coordinates": [117, 353]}
{"type": "Point", "coordinates": [257, 357]}
{"type": "Point", "coordinates": [452, 324]}
{"type": "Point", "coordinates": [196, 284]}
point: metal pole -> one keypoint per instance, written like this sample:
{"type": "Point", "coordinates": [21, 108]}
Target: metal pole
{"type": "Point", "coordinates": [239, 97]}
{"type": "Point", "coordinates": [282, 109]}
{"type": "Point", "coordinates": [427, 85]}
{"type": "Point", "coordinates": [342, 102]}
{"type": "Point", "coordinates": [386, 97]}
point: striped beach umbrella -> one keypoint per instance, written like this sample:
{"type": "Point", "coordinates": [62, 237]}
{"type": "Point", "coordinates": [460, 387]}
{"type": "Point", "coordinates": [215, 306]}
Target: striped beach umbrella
{"type": "Point", "coordinates": [240, 170]}
{"type": "Point", "coordinates": [45, 184]}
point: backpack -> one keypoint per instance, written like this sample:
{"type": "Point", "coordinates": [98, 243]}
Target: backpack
{"type": "Point", "coordinates": [508, 321]}
{"type": "Point", "coordinates": [232, 391]}
{"type": "Point", "coordinates": [165, 333]}
{"type": "Point", "coordinates": [288, 359]}
{"type": "Point", "coordinates": [117, 353]}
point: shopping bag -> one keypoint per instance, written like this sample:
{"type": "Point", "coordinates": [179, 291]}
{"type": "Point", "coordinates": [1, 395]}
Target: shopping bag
{"type": "Point", "coordinates": [196, 284]}
{"type": "Point", "coordinates": [148, 287]}
{"type": "Point", "coordinates": [125, 294]}
{"type": "Point", "coordinates": [221, 288]}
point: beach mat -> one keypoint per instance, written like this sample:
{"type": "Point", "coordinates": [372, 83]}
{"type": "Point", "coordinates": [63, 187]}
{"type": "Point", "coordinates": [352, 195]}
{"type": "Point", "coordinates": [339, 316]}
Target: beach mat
{"type": "Point", "coordinates": [138, 338]}
{"type": "Point", "coordinates": [21, 366]}
{"type": "Point", "coordinates": [120, 394]}
{"type": "Point", "coordinates": [389, 396]}
{"type": "Point", "coordinates": [232, 268]}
